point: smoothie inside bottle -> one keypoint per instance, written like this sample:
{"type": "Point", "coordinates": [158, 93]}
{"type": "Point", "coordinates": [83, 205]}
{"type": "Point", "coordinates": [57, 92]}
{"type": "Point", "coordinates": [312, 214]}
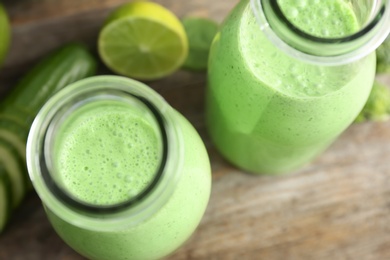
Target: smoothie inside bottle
{"type": "Point", "coordinates": [107, 150]}
{"type": "Point", "coordinates": [323, 19]}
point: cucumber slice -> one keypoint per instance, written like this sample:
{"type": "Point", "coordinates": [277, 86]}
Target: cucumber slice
{"type": "Point", "coordinates": [5, 198]}
{"type": "Point", "coordinates": [13, 164]}
{"type": "Point", "coordinates": [15, 134]}
{"type": "Point", "coordinates": [18, 114]}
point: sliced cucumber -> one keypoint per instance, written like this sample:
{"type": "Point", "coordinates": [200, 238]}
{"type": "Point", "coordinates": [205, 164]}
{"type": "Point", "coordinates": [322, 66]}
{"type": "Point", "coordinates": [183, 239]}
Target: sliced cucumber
{"type": "Point", "coordinates": [15, 134]}
{"type": "Point", "coordinates": [18, 114]}
{"type": "Point", "coordinates": [5, 198]}
{"type": "Point", "coordinates": [13, 164]}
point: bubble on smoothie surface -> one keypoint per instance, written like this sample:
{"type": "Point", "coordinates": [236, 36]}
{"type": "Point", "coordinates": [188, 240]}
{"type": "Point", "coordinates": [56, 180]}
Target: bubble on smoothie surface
{"type": "Point", "coordinates": [102, 152]}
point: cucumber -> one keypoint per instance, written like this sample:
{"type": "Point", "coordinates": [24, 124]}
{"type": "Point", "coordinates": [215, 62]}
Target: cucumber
{"type": "Point", "coordinates": [15, 133]}
{"type": "Point", "coordinates": [13, 164]}
{"type": "Point", "coordinates": [18, 114]}
{"type": "Point", "coordinates": [66, 65]}
{"type": "Point", "coordinates": [5, 198]}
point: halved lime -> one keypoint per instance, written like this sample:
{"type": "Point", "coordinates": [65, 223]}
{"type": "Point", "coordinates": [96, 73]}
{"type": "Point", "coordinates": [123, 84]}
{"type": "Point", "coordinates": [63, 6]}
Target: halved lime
{"type": "Point", "coordinates": [143, 40]}
{"type": "Point", "coordinates": [4, 33]}
{"type": "Point", "coordinates": [200, 33]}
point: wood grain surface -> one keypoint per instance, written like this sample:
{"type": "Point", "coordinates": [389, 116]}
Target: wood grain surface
{"type": "Point", "coordinates": [338, 207]}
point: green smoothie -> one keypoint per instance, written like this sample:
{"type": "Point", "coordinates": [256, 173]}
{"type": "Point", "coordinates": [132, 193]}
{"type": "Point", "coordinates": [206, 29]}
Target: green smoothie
{"type": "Point", "coordinates": [268, 112]}
{"type": "Point", "coordinates": [108, 149]}
{"type": "Point", "coordinates": [107, 152]}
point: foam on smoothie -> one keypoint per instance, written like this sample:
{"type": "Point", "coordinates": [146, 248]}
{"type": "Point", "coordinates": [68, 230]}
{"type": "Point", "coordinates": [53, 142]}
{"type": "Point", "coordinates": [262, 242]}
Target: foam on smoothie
{"type": "Point", "coordinates": [337, 19]}
{"type": "Point", "coordinates": [332, 18]}
{"type": "Point", "coordinates": [107, 152]}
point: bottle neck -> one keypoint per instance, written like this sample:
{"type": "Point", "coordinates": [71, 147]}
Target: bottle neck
{"type": "Point", "coordinates": [372, 20]}
{"type": "Point", "coordinates": [86, 100]}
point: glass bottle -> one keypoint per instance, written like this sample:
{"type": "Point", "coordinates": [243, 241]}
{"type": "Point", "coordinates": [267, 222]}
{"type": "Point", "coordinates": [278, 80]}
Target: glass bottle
{"type": "Point", "coordinates": [287, 77]}
{"type": "Point", "coordinates": [121, 174]}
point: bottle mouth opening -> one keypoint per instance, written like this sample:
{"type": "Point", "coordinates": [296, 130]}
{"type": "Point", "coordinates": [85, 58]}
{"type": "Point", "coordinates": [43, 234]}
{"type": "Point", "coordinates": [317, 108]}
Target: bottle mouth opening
{"type": "Point", "coordinates": [373, 26]}
{"type": "Point", "coordinates": [51, 170]}
{"type": "Point", "coordinates": [373, 18]}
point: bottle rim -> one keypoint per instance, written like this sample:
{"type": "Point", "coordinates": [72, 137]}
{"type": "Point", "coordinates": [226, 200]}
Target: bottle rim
{"type": "Point", "coordinates": [71, 200]}
{"type": "Point", "coordinates": [115, 216]}
{"type": "Point", "coordinates": [321, 51]}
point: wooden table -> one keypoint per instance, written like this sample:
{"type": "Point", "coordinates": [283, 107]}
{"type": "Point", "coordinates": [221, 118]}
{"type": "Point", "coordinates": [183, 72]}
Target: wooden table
{"type": "Point", "coordinates": [338, 207]}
